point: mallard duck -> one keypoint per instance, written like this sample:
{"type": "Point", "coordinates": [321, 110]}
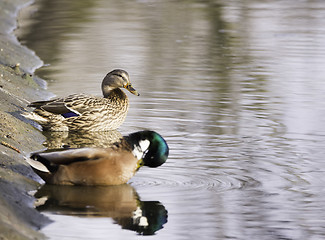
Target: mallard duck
{"type": "Point", "coordinates": [81, 112]}
{"type": "Point", "coordinates": [101, 166]}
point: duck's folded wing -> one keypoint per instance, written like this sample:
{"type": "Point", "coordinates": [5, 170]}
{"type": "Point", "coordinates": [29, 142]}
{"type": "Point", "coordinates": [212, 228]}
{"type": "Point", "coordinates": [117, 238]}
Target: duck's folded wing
{"type": "Point", "coordinates": [69, 156]}
{"type": "Point", "coordinates": [73, 105]}
{"type": "Point", "coordinates": [49, 162]}
{"type": "Point", "coordinates": [56, 106]}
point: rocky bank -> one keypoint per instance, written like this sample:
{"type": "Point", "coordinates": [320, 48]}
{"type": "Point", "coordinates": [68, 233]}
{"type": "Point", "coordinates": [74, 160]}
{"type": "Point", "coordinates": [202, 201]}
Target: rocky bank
{"type": "Point", "coordinates": [18, 138]}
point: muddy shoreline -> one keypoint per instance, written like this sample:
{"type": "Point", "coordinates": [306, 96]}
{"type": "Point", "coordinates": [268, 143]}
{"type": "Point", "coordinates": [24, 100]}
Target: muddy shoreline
{"type": "Point", "coordinates": [18, 138]}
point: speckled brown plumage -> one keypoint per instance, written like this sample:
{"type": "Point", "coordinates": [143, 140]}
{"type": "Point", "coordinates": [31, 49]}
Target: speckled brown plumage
{"type": "Point", "coordinates": [81, 112]}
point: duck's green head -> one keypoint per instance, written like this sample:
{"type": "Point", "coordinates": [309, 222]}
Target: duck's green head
{"type": "Point", "coordinates": [150, 147]}
{"type": "Point", "coordinates": [117, 78]}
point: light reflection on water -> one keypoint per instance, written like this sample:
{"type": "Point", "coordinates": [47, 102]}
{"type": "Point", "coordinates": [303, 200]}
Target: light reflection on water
{"type": "Point", "coordinates": [236, 89]}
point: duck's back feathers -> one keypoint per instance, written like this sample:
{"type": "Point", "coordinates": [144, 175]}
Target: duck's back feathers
{"type": "Point", "coordinates": [56, 106]}
{"type": "Point", "coordinates": [66, 157]}
{"type": "Point", "coordinates": [48, 163]}
{"type": "Point", "coordinates": [86, 166]}
{"type": "Point", "coordinates": [75, 103]}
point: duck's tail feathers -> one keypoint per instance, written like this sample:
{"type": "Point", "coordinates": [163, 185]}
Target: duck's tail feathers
{"type": "Point", "coordinates": [40, 169]}
{"type": "Point", "coordinates": [37, 165]}
{"type": "Point", "coordinates": [35, 117]}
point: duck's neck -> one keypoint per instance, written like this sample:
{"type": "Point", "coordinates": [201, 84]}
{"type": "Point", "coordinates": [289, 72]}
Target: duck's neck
{"type": "Point", "coordinates": [109, 92]}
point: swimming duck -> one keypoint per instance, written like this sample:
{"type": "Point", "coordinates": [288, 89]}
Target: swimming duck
{"type": "Point", "coordinates": [81, 112]}
{"type": "Point", "coordinates": [114, 165]}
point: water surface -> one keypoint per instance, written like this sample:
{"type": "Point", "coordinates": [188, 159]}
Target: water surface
{"type": "Point", "coordinates": [236, 88]}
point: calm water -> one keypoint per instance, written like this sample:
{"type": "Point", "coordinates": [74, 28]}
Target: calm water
{"type": "Point", "coordinates": [237, 88]}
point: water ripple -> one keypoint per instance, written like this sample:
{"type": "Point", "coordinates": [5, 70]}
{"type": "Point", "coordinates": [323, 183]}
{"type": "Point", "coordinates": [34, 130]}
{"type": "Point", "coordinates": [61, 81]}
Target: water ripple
{"type": "Point", "coordinates": [193, 179]}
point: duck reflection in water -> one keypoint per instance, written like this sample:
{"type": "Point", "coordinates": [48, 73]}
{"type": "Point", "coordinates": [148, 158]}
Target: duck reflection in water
{"type": "Point", "coordinates": [121, 203]}
{"type": "Point", "coordinates": [59, 140]}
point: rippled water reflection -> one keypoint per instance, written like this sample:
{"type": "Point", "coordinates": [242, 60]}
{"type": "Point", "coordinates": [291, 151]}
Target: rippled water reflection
{"type": "Point", "coordinates": [236, 89]}
{"type": "Point", "coordinates": [120, 203]}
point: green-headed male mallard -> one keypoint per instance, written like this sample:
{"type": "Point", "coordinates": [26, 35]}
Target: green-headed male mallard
{"type": "Point", "coordinates": [102, 166]}
{"type": "Point", "coordinates": [80, 112]}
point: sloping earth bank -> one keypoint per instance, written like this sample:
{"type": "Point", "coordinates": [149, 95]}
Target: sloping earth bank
{"type": "Point", "coordinates": [18, 218]}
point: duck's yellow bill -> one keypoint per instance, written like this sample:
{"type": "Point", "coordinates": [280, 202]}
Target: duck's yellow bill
{"type": "Point", "coordinates": [140, 164]}
{"type": "Point", "coordinates": [131, 89]}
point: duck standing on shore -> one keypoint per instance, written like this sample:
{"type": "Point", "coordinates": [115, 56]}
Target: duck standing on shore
{"type": "Point", "coordinates": [81, 112]}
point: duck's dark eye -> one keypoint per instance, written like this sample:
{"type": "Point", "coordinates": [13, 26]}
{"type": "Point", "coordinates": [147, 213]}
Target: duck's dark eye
{"type": "Point", "coordinates": [119, 75]}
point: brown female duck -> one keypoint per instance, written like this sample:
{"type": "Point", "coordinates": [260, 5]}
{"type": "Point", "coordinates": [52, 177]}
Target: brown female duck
{"type": "Point", "coordinates": [81, 112]}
